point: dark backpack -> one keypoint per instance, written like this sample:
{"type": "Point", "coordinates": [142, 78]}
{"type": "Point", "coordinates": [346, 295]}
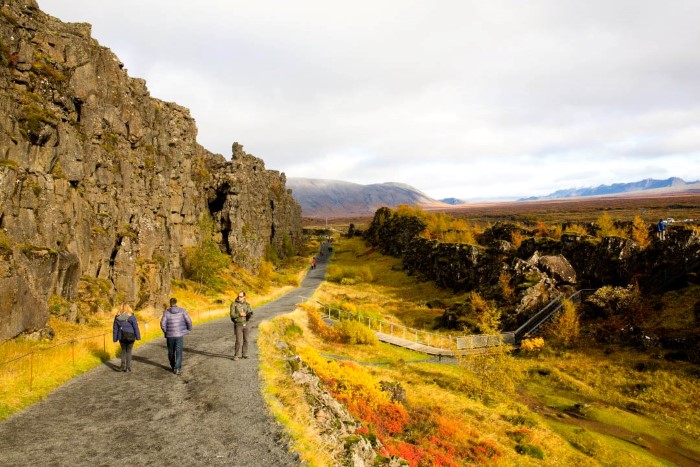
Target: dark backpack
{"type": "Point", "coordinates": [126, 335]}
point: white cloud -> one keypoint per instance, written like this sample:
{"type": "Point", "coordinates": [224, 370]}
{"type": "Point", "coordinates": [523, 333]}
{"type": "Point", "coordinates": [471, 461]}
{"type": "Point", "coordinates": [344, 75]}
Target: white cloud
{"type": "Point", "coordinates": [457, 98]}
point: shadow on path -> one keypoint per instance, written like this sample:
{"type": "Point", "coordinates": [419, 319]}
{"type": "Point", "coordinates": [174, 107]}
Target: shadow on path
{"type": "Point", "coordinates": [140, 359]}
{"type": "Point", "coordinates": [208, 354]}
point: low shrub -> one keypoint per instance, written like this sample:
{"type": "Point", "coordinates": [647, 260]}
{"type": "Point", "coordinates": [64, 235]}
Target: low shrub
{"type": "Point", "coordinates": [320, 328]}
{"type": "Point", "coordinates": [5, 242]}
{"type": "Point", "coordinates": [529, 450]}
{"type": "Point", "coordinates": [353, 332]}
{"type": "Point", "coordinates": [565, 326]}
{"type": "Point", "coordinates": [349, 275]}
{"type": "Point", "coordinates": [204, 263]}
{"type": "Point", "coordinates": [532, 345]}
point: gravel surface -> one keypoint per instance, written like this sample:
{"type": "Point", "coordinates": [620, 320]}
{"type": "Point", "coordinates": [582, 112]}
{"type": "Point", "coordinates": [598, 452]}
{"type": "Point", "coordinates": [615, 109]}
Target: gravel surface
{"type": "Point", "coordinates": [212, 414]}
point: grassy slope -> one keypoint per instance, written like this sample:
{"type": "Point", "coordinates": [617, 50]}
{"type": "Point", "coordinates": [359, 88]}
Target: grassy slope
{"type": "Point", "coordinates": [575, 407]}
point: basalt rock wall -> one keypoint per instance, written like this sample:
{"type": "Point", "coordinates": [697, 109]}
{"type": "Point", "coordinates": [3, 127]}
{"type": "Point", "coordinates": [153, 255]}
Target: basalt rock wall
{"type": "Point", "coordinates": [103, 188]}
{"type": "Point", "coordinates": [573, 261]}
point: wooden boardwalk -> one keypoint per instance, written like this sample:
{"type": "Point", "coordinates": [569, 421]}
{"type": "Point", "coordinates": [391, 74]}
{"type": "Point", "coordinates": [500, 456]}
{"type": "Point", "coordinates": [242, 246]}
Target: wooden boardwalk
{"type": "Point", "coordinates": [409, 344]}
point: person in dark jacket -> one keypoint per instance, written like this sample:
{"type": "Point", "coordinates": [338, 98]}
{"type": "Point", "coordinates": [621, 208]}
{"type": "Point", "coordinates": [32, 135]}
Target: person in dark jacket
{"type": "Point", "coordinates": [241, 313]}
{"type": "Point", "coordinates": [126, 331]}
{"type": "Point", "coordinates": [661, 229]}
{"type": "Point", "coordinates": [175, 324]}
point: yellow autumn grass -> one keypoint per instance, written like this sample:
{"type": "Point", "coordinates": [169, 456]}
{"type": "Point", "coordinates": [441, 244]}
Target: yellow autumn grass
{"type": "Point", "coordinates": [378, 287]}
{"type": "Point", "coordinates": [287, 400]}
{"type": "Point", "coordinates": [430, 388]}
{"type": "Point", "coordinates": [526, 414]}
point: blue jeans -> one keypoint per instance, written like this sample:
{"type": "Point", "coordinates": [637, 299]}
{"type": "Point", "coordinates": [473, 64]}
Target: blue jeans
{"type": "Point", "coordinates": [175, 345]}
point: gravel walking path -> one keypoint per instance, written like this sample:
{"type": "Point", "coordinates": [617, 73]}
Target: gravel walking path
{"type": "Point", "coordinates": [212, 414]}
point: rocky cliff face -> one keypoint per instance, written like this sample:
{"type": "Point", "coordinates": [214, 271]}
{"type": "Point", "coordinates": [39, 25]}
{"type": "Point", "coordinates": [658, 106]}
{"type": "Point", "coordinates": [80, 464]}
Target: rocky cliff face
{"type": "Point", "coordinates": [104, 188]}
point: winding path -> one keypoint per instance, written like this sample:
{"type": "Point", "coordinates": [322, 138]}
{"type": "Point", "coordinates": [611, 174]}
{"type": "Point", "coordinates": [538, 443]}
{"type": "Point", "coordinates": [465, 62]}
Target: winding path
{"type": "Point", "coordinates": [212, 414]}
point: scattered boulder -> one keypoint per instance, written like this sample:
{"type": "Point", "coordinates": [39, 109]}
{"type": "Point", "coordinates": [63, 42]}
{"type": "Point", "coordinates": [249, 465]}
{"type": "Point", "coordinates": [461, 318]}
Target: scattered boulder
{"type": "Point", "coordinates": [558, 268]}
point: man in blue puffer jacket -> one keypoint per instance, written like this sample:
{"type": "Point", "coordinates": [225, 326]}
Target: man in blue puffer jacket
{"type": "Point", "coordinates": [176, 324]}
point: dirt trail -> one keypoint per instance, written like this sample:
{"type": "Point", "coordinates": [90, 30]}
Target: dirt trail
{"type": "Point", "coordinates": [212, 414]}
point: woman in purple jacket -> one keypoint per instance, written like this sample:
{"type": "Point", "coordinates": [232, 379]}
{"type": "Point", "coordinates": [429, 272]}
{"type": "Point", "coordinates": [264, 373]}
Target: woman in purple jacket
{"type": "Point", "coordinates": [126, 331]}
{"type": "Point", "coordinates": [175, 324]}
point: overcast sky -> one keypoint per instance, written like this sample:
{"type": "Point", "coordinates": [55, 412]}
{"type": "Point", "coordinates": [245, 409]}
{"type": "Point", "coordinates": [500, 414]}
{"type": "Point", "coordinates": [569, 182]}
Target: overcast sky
{"type": "Point", "coordinates": [459, 98]}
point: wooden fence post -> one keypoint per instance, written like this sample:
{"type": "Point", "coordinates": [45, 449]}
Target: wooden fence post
{"type": "Point", "coordinates": [31, 371]}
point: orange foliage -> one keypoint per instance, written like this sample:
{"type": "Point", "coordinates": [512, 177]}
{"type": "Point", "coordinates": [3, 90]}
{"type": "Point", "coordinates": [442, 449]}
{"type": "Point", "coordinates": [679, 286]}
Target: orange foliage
{"type": "Point", "coordinates": [321, 329]}
{"type": "Point", "coordinates": [516, 238]}
{"type": "Point", "coordinates": [541, 229]}
{"type": "Point", "coordinates": [445, 440]}
{"type": "Point", "coordinates": [483, 451]}
{"type": "Point", "coordinates": [412, 453]}
{"type": "Point", "coordinates": [384, 417]}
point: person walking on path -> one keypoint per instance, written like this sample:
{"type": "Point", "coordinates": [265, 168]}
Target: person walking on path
{"type": "Point", "coordinates": [126, 331]}
{"type": "Point", "coordinates": [661, 229]}
{"type": "Point", "coordinates": [313, 263]}
{"type": "Point", "coordinates": [176, 324]}
{"type": "Point", "coordinates": [241, 313]}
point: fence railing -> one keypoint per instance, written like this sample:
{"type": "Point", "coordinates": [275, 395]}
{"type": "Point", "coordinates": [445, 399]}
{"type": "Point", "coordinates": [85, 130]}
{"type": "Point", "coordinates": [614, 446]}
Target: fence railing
{"type": "Point", "coordinates": [466, 342]}
{"type": "Point", "coordinates": [477, 341]}
{"type": "Point", "coordinates": [671, 274]}
{"type": "Point", "coordinates": [419, 336]}
{"type": "Point", "coordinates": [547, 312]}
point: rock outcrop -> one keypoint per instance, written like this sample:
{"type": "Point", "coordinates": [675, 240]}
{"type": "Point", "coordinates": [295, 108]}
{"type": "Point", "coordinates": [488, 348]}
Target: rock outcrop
{"type": "Point", "coordinates": [103, 189]}
{"type": "Point", "coordinates": [539, 269]}
{"type": "Point", "coordinates": [335, 424]}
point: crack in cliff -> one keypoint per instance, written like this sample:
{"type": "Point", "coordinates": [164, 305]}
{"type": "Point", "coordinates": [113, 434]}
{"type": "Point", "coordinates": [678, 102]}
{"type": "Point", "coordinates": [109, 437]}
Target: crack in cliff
{"type": "Point", "coordinates": [113, 256]}
{"type": "Point", "coordinates": [217, 204]}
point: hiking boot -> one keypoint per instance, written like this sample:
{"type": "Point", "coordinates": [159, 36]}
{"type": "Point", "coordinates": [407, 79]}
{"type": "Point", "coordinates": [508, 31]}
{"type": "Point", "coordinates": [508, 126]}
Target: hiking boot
{"type": "Point", "coordinates": [234, 358]}
{"type": "Point", "coordinates": [128, 370]}
{"type": "Point", "coordinates": [245, 356]}
{"type": "Point", "coordinates": [178, 372]}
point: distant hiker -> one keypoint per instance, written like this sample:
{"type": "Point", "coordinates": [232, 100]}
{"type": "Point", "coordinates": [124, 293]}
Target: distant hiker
{"type": "Point", "coordinates": [661, 229]}
{"type": "Point", "coordinates": [126, 331]}
{"type": "Point", "coordinates": [241, 313]}
{"type": "Point", "coordinates": [313, 263]}
{"type": "Point", "coordinates": [176, 324]}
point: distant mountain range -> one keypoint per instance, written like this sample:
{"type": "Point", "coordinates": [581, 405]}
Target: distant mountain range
{"type": "Point", "coordinates": [670, 184]}
{"type": "Point", "coordinates": [453, 201]}
{"type": "Point", "coordinates": [336, 198]}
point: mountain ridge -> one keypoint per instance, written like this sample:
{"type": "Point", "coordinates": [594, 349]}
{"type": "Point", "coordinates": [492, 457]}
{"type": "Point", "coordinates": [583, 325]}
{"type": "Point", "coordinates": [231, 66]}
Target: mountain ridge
{"type": "Point", "coordinates": [338, 198]}
{"type": "Point", "coordinates": [647, 184]}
